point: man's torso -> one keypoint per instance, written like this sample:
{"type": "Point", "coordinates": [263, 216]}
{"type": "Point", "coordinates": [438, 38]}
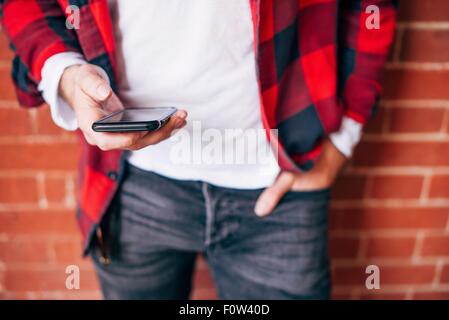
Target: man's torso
{"type": "Point", "coordinates": [197, 56]}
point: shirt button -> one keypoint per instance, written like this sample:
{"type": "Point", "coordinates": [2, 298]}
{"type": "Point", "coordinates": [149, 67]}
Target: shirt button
{"type": "Point", "coordinates": [113, 175]}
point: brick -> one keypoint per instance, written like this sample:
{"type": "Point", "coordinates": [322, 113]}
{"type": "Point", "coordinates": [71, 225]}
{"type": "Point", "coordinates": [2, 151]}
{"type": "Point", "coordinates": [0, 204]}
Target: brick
{"type": "Point", "coordinates": [343, 247]}
{"type": "Point", "coordinates": [15, 251]}
{"type": "Point", "coordinates": [55, 156]}
{"type": "Point", "coordinates": [423, 10]}
{"type": "Point", "coordinates": [349, 276]}
{"type": "Point", "coordinates": [202, 279]}
{"type": "Point", "coordinates": [82, 295]}
{"type": "Point", "coordinates": [14, 122]}
{"type": "Point", "coordinates": [390, 247]}
{"type": "Point", "coordinates": [425, 46]}
{"type": "Point", "coordinates": [45, 124]}
{"type": "Point", "coordinates": [55, 189]}
{"type": "Point", "coordinates": [396, 187]}
{"type": "Point", "coordinates": [439, 186]}
{"type": "Point", "coordinates": [435, 246]}
{"type": "Point", "coordinates": [69, 252]}
{"type": "Point", "coordinates": [382, 295]}
{"type": "Point", "coordinates": [18, 190]}
{"type": "Point", "coordinates": [371, 218]}
{"type": "Point", "coordinates": [204, 294]}
{"type": "Point", "coordinates": [445, 274]}
{"type": "Point", "coordinates": [389, 275]}
{"type": "Point", "coordinates": [431, 295]}
{"type": "Point", "coordinates": [8, 296]}
{"type": "Point", "coordinates": [349, 187]}
{"type": "Point", "coordinates": [203, 285]}
{"type": "Point", "coordinates": [46, 280]}
{"type": "Point", "coordinates": [341, 296]}
{"type": "Point", "coordinates": [416, 120]}
{"type": "Point", "coordinates": [60, 295]}
{"type": "Point", "coordinates": [377, 122]}
{"type": "Point", "coordinates": [34, 280]}
{"type": "Point", "coordinates": [39, 222]}
{"type": "Point", "coordinates": [416, 84]}
{"type": "Point", "coordinates": [398, 153]}
{"type": "Point", "coordinates": [201, 263]}
{"type": "Point", "coordinates": [7, 91]}
{"type": "Point", "coordinates": [5, 53]}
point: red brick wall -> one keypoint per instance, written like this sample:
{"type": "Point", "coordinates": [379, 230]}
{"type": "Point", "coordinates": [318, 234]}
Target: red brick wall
{"type": "Point", "coordinates": [391, 205]}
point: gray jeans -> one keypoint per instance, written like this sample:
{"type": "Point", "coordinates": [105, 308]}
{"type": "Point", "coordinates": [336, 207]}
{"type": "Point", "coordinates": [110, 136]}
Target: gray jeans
{"type": "Point", "coordinates": [159, 225]}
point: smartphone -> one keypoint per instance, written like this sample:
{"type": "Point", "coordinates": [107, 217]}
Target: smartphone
{"type": "Point", "coordinates": [135, 119]}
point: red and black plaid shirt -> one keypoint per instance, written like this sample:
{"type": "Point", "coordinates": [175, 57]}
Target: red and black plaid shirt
{"type": "Point", "coordinates": [317, 61]}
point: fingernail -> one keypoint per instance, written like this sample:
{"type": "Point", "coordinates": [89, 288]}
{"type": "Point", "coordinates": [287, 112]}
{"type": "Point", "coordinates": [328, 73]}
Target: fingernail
{"type": "Point", "coordinates": [103, 91]}
{"type": "Point", "coordinates": [182, 115]}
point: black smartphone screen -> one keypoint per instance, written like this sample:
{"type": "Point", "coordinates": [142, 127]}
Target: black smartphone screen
{"type": "Point", "coordinates": [135, 119]}
{"type": "Point", "coordinates": [139, 115]}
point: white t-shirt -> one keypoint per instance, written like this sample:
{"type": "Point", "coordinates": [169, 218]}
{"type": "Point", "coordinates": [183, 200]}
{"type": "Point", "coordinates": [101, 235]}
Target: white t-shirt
{"type": "Point", "coordinates": [196, 55]}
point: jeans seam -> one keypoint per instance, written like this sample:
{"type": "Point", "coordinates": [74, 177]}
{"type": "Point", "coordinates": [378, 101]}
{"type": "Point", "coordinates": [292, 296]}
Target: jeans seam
{"type": "Point", "coordinates": [209, 214]}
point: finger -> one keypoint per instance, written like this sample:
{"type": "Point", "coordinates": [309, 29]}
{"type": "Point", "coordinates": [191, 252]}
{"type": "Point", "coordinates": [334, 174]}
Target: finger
{"type": "Point", "coordinates": [95, 86]}
{"type": "Point", "coordinates": [177, 121]}
{"type": "Point", "coordinates": [155, 137]}
{"type": "Point", "coordinates": [113, 141]}
{"type": "Point", "coordinates": [271, 196]}
{"type": "Point", "coordinates": [113, 104]}
{"type": "Point", "coordinates": [87, 112]}
{"type": "Point", "coordinates": [89, 139]}
{"type": "Point", "coordinates": [104, 140]}
{"type": "Point", "coordinates": [180, 114]}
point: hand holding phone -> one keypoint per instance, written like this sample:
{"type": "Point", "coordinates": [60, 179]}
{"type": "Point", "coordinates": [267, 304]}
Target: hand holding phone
{"type": "Point", "coordinates": [86, 90]}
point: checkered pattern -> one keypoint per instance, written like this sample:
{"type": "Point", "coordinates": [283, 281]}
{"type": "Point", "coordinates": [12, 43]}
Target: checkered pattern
{"type": "Point", "coordinates": [317, 61]}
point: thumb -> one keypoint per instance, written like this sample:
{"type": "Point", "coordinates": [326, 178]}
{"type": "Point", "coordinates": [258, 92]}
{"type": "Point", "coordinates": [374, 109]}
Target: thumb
{"type": "Point", "coordinates": [271, 196]}
{"type": "Point", "coordinates": [95, 86]}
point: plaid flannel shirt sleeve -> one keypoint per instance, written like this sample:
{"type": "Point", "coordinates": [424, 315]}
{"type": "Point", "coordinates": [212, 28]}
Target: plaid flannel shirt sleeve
{"type": "Point", "coordinates": [36, 30]}
{"type": "Point", "coordinates": [363, 51]}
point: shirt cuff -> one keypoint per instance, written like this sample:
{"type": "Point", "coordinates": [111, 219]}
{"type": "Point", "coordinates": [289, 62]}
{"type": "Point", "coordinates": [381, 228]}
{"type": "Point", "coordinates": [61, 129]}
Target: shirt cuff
{"type": "Point", "coordinates": [349, 135]}
{"type": "Point", "coordinates": [61, 113]}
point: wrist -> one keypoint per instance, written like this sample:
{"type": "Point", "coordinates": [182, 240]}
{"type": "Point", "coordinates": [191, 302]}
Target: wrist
{"type": "Point", "coordinates": [331, 162]}
{"type": "Point", "coordinates": [67, 82]}
{"type": "Point", "coordinates": [326, 175]}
